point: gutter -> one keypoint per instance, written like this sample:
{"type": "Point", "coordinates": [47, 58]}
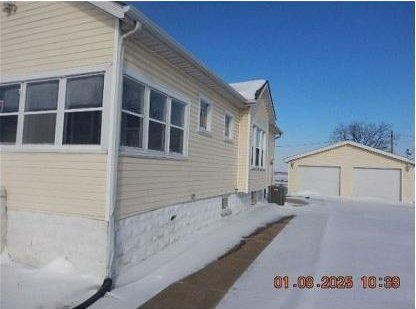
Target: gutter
{"type": "Point", "coordinates": [112, 159]}
{"type": "Point", "coordinates": [159, 33]}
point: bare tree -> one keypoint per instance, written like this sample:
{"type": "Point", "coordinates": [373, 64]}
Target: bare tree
{"type": "Point", "coordinates": [377, 135]}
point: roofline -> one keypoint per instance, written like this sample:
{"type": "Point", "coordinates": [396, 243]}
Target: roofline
{"type": "Point", "coordinates": [260, 91]}
{"type": "Point", "coordinates": [110, 8]}
{"type": "Point", "coordinates": [121, 12]}
{"type": "Point", "coordinates": [351, 143]}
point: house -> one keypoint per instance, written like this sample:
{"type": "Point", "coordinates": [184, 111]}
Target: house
{"type": "Point", "coordinates": [352, 170]}
{"type": "Point", "coordinates": [116, 141]}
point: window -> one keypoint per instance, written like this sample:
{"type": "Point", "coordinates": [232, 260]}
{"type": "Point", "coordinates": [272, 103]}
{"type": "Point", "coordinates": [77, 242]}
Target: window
{"type": "Point", "coordinates": [258, 146]}
{"type": "Point", "coordinates": [151, 120]}
{"type": "Point", "coordinates": [132, 114]}
{"type": "Point", "coordinates": [9, 108]}
{"type": "Point", "coordinates": [40, 112]}
{"type": "Point", "coordinates": [229, 126]}
{"type": "Point", "coordinates": [63, 110]}
{"type": "Point", "coordinates": [177, 126]}
{"type": "Point", "coordinates": [83, 109]}
{"type": "Point", "coordinates": [157, 121]}
{"type": "Point", "coordinates": [205, 115]}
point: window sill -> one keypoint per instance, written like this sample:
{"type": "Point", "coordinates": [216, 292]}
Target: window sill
{"type": "Point", "coordinates": [149, 154]}
{"type": "Point", "coordinates": [53, 148]}
{"type": "Point", "coordinates": [204, 132]}
{"type": "Point", "coordinates": [261, 169]}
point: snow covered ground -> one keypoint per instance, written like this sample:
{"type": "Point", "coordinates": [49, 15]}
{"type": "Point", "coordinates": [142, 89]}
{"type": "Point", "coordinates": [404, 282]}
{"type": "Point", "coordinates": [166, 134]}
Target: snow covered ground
{"type": "Point", "coordinates": [326, 237]}
{"type": "Point", "coordinates": [140, 282]}
{"type": "Point", "coordinates": [56, 286]}
{"type": "Point", "coordinates": [334, 237]}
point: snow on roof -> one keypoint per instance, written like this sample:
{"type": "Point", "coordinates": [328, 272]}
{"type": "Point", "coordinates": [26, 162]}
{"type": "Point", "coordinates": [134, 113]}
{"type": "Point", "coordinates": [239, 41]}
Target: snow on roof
{"type": "Point", "coordinates": [339, 144]}
{"type": "Point", "coordinates": [248, 89]}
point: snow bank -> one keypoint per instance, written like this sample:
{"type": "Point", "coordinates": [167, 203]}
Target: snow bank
{"type": "Point", "coordinates": [54, 286]}
{"type": "Point", "coordinates": [142, 281]}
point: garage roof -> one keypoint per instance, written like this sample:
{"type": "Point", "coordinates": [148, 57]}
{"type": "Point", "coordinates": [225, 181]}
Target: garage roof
{"type": "Point", "coordinates": [351, 143]}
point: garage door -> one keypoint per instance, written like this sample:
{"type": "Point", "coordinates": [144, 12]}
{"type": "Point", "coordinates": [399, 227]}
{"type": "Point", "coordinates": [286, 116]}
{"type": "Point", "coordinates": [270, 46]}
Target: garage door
{"type": "Point", "coordinates": [321, 180]}
{"type": "Point", "coordinates": [378, 183]}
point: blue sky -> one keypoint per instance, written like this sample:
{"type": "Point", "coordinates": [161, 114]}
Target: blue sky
{"type": "Point", "coordinates": [327, 62]}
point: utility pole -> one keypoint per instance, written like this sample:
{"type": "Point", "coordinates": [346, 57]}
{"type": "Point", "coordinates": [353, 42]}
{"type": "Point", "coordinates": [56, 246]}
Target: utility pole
{"type": "Point", "coordinates": [391, 141]}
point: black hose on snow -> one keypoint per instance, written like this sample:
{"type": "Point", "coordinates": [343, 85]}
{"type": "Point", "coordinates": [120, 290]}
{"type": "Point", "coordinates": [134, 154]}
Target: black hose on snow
{"type": "Point", "coordinates": [105, 287]}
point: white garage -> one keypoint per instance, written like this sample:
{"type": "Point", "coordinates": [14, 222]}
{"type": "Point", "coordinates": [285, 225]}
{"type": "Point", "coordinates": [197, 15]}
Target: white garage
{"type": "Point", "coordinates": [352, 170]}
{"type": "Point", "coordinates": [322, 180]}
{"type": "Point", "coordinates": [377, 183]}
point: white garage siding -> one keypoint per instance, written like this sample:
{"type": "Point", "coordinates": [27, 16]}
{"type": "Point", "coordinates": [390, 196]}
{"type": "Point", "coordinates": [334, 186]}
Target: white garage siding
{"type": "Point", "coordinates": [377, 183]}
{"type": "Point", "coordinates": [321, 180]}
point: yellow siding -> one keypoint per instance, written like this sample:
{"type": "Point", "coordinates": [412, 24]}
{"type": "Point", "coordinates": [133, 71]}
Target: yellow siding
{"type": "Point", "coordinates": [271, 161]}
{"type": "Point", "coordinates": [258, 179]}
{"type": "Point", "coordinates": [243, 150]}
{"type": "Point", "coordinates": [60, 183]}
{"type": "Point", "coordinates": [47, 36]}
{"type": "Point", "coordinates": [211, 168]}
{"type": "Point", "coordinates": [348, 157]}
{"type": "Point", "coordinates": [42, 37]}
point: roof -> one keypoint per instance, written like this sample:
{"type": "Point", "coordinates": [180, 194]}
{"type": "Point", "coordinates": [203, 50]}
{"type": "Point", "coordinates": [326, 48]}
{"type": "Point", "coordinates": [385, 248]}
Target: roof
{"type": "Point", "coordinates": [351, 143]}
{"type": "Point", "coordinates": [249, 89]}
{"type": "Point", "coordinates": [252, 89]}
{"type": "Point", "coordinates": [160, 43]}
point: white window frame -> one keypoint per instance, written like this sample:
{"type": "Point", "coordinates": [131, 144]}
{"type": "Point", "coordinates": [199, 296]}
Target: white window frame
{"type": "Point", "coordinates": [146, 93]}
{"type": "Point", "coordinates": [61, 76]}
{"type": "Point", "coordinates": [165, 122]}
{"type": "Point", "coordinates": [42, 112]}
{"type": "Point", "coordinates": [78, 110]}
{"type": "Point", "coordinates": [170, 125]}
{"type": "Point", "coordinates": [262, 148]}
{"type": "Point", "coordinates": [209, 115]}
{"type": "Point", "coordinates": [231, 130]}
{"type": "Point", "coordinates": [14, 113]}
{"type": "Point", "coordinates": [150, 84]}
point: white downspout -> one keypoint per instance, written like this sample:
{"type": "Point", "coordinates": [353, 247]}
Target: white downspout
{"type": "Point", "coordinates": [114, 141]}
